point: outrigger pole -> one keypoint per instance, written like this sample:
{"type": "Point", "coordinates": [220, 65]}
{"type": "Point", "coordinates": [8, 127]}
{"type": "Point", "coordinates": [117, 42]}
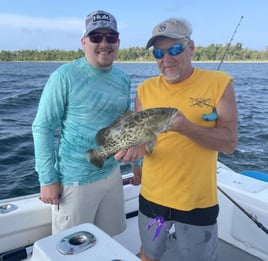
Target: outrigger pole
{"type": "Point", "coordinates": [228, 46]}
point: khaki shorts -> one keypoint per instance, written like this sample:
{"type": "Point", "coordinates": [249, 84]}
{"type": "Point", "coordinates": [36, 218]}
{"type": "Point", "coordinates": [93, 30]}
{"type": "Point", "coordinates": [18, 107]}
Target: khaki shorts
{"type": "Point", "coordinates": [100, 203]}
{"type": "Point", "coordinates": [193, 243]}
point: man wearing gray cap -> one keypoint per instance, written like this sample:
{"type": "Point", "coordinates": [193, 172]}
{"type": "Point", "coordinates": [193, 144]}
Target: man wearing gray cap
{"type": "Point", "coordinates": [178, 180]}
{"type": "Point", "coordinates": [80, 98]}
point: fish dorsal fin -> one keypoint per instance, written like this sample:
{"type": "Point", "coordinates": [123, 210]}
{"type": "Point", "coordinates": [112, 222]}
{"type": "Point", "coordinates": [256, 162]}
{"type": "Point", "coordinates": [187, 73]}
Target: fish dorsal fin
{"type": "Point", "coordinates": [102, 135]}
{"type": "Point", "coordinates": [121, 118]}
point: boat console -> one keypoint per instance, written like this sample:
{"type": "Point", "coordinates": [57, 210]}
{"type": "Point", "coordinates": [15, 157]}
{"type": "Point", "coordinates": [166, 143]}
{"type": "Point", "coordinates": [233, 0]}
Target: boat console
{"type": "Point", "coordinates": [83, 242]}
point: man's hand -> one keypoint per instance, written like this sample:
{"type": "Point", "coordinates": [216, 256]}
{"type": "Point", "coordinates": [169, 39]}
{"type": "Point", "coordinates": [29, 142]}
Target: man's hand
{"type": "Point", "coordinates": [50, 194]}
{"type": "Point", "coordinates": [131, 154]}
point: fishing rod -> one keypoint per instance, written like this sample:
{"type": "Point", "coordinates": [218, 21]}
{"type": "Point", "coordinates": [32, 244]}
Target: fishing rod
{"type": "Point", "coordinates": [259, 224]}
{"type": "Point", "coordinates": [215, 116]}
{"type": "Point", "coordinates": [229, 44]}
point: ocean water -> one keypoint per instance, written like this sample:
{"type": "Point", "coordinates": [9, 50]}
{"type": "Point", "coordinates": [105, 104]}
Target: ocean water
{"type": "Point", "coordinates": [21, 84]}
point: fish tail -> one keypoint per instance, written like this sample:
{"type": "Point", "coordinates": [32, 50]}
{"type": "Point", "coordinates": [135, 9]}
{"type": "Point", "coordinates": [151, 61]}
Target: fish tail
{"type": "Point", "coordinates": [95, 158]}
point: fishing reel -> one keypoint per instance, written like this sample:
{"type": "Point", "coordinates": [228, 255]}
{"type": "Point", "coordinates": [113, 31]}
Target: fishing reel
{"type": "Point", "coordinates": [210, 116]}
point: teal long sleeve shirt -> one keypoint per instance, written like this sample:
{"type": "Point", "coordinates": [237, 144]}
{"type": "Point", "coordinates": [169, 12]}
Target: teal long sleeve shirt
{"type": "Point", "coordinates": [77, 101]}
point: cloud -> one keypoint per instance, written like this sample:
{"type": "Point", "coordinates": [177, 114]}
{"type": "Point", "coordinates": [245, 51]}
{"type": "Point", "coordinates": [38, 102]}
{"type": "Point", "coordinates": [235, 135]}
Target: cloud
{"type": "Point", "coordinates": [67, 24]}
{"type": "Point", "coordinates": [27, 32]}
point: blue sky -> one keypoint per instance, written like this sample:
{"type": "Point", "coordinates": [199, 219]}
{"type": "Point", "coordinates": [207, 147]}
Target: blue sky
{"type": "Point", "coordinates": [58, 24]}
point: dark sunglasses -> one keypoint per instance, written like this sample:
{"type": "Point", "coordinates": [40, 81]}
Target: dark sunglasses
{"type": "Point", "coordinates": [97, 37]}
{"type": "Point", "coordinates": [174, 50]}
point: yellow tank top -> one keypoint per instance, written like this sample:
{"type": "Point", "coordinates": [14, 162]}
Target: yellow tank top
{"type": "Point", "coordinates": [181, 174]}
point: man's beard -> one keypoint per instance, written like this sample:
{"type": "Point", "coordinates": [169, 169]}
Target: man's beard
{"type": "Point", "coordinates": [172, 78]}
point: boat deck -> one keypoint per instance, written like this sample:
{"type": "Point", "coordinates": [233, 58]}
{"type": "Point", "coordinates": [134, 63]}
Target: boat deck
{"type": "Point", "coordinates": [227, 252]}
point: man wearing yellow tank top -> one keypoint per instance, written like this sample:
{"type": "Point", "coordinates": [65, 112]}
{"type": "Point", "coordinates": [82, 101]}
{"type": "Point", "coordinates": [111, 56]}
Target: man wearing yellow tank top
{"type": "Point", "coordinates": [178, 184]}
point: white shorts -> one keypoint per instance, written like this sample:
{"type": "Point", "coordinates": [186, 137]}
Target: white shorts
{"type": "Point", "coordinates": [100, 203]}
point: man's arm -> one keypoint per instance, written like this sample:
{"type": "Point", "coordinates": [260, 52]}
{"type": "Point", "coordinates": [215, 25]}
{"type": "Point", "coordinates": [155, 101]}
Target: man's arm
{"type": "Point", "coordinates": [223, 137]}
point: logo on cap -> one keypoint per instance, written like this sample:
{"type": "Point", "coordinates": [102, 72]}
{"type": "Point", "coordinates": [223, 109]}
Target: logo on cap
{"type": "Point", "coordinates": [101, 17]}
{"type": "Point", "coordinates": [162, 27]}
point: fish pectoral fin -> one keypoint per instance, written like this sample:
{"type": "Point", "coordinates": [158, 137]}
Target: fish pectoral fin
{"type": "Point", "coordinates": [106, 134]}
{"type": "Point", "coordinates": [101, 136]}
{"type": "Point", "coordinates": [149, 146]}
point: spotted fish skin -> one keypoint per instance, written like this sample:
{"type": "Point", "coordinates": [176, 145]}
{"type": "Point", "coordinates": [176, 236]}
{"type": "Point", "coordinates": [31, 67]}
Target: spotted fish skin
{"type": "Point", "coordinates": [130, 129]}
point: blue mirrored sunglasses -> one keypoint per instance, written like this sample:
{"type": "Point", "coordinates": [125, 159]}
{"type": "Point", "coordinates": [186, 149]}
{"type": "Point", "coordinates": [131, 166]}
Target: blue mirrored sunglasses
{"type": "Point", "coordinates": [174, 50]}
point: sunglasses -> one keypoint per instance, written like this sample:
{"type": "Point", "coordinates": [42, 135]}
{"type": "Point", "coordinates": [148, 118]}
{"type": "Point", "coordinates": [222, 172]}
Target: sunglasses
{"type": "Point", "coordinates": [174, 50]}
{"type": "Point", "coordinates": [98, 37]}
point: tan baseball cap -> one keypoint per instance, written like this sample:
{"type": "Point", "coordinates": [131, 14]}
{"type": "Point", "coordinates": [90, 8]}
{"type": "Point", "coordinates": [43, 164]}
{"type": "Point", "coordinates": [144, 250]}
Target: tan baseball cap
{"type": "Point", "coordinates": [171, 28]}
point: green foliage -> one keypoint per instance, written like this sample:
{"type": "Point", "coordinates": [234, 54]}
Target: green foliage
{"type": "Point", "coordinates": [213, 52]}
{"type": "Point", "coordinates": [44, 55]}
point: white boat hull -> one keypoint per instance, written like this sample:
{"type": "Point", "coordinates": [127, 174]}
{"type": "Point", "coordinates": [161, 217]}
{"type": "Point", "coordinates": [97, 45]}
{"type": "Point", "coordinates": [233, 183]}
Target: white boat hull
{"type": "Point", "coordinates": [235, 227]}
{"type": "Point", "coordinates": [31, 221]}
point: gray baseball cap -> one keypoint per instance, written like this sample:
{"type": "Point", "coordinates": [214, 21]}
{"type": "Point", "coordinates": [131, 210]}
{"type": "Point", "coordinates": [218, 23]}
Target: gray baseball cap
{"type": "Point", "coordinates": [99, 19]}
{"type": "Point", "coordinates": [171, 28]}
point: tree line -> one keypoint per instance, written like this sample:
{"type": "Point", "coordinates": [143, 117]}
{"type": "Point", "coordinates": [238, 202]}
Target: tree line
{"type": "Point", "coordinates": [213, 52]}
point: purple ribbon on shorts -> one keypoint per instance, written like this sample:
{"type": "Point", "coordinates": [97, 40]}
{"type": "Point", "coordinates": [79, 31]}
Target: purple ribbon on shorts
{"type": "Point", "coordinates": [161, 222]}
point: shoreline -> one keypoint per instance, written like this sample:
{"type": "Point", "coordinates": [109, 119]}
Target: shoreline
{"type": "Point", "coordinates": [253, 61]}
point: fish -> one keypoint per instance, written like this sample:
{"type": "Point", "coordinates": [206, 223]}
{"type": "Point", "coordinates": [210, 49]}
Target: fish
{"type": "Point", "coordinates": [131, 129]}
